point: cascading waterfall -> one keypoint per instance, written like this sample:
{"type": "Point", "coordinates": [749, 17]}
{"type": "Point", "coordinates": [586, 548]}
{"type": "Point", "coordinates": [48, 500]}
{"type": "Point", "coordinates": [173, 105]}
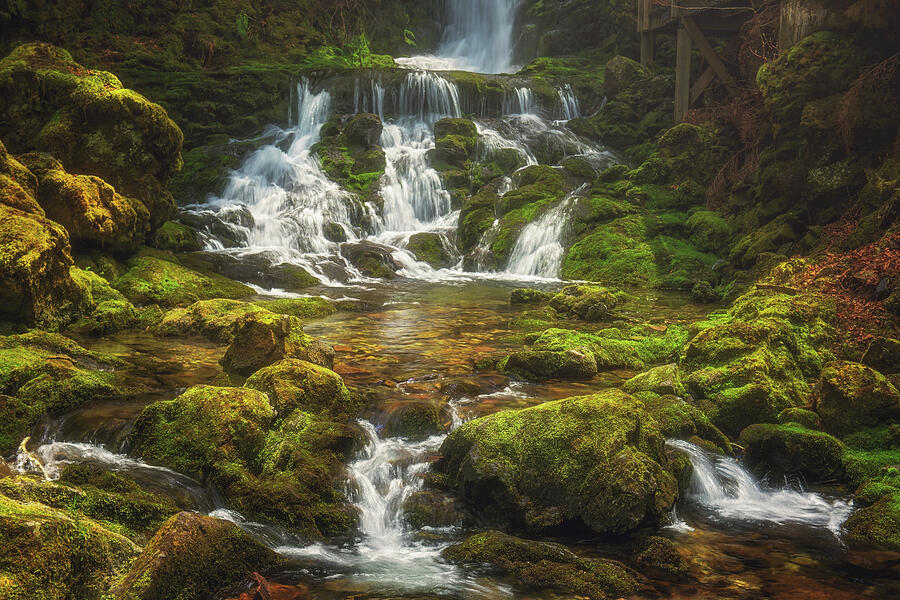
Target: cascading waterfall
{"type": "Point", "coordinates": [568, 101]}
{"type": "Point", "coordinates": [721, 485]}
{"type": "Point", "coordinates": [540, 249]}
{"type": "Point", "coordinates": [478, 37]}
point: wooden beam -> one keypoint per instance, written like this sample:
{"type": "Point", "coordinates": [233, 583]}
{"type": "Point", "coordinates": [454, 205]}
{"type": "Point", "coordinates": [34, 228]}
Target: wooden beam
{"type": "Point", "coordinates": [682, 72]}
{"type": "Point", "coordinates": [648, 41]}
{"type": "Point", "coordinates": [708, 53]}
{"type": "Point", "coordinates": [701, 84]}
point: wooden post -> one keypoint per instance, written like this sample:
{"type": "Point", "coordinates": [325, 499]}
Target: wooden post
{"type": "Point", "coordinates": [647, 47]}
{"type": "Point", "coordinates": [708, 53]}
{"type": "Point", "coordinates": [682, 72]}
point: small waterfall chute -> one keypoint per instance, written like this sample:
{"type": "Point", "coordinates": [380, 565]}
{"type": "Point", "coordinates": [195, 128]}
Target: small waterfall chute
{"type": "Point", "coordinates": [722, 486]}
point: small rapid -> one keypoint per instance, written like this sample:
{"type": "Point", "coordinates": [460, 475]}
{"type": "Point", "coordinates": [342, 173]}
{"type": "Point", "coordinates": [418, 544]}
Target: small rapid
{"type": "Point", "coordinates": [720, 485]}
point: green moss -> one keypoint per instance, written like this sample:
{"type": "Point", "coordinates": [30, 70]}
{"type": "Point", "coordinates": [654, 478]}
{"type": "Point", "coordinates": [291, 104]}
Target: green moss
{"type": "Point", "coordinates": [595, 459]}
{"type": "Point", "coordinates": [47, 555]}
{"type": "Point", "coordinates": [545, 565]}
{"type": "Point", "coordinates": [351, 154]}
{"type": "Point", "coordinates": [217, 320]}
{"type": "Point", "coordinates": [476, 217]}
{"type": "Point", "coordinates": [295, 384]}
{"type": "Point", "coordinates": [161, 281]}
{"type": "Point", "coordinates": [588, 302]}
{"type": "Point", "coordinates": [851, 396]}
{"type": "Point", "coordinates": [538, 365]}
{"type": "Point", "coordinates": [175, 237]}
{"type": "Point", "coordinates": [430, 247]}
{"type": "Point", "coordinates": [878, 524]}
{"type": "Point", "coordinates": [709, 232]}
{"type": "Point", "coordinates": [305, 308]}
{"type": "Point", "coordinates": [758, 358]}
{"type": "Point", "coordinates": [783, 450]}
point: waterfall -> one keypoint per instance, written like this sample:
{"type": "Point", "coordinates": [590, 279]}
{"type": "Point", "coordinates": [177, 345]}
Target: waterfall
{"type": "Point", "coordinates": [522, 102]}
{"type": "Point", "coordinates": [722, 486]}
{"type": "Point", "coordinates": [478, 36]}
{"type": "Point", "coordinates": [568, 102]}
{"type": "Point", "coordinates": [540, 249]}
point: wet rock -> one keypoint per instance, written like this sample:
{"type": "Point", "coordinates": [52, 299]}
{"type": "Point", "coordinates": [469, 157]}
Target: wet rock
{"type": "Point", "coordinates": [883, 354]}
{"type": "Point", "coordinates": [305, 308]}
{"type": "Point", "coordinates": [780, 451]}
{"type": "Point", "coordinates": [351, 154]}
{"type": "Point", "coordinates": [373, 260]}
{"type": "Point", "coordinates": [574, 363]}
{"type": "Point", "coordinates": [296, 384]}
{"type": "Point", "coordinates": [511, 466]}
{"type": "Point", "coordinates": [45, 553]}
{"type": "Point", "coordinates": [529, 296]}
{"type": "Point", "coordinates": [432, 508]}
{"type": "Point", "coordinates": [682, 420]}
{"type": "Point", "coordinates": [18, 185]}
{"type": "Point", "coordinates": [429, 247]}
{"type": "Point", "coordinates": [546, 565]}
{"type": "Point", "coordinates": [703, 293]}
{"type": "Point", "coordinates": [263, 269]}
{"type": "Point", "coordinates": [851, 396]}
{"type": "Point", "coordinates": [264, 338]}
{"type": "Point", "coordinates": [192, 557]}
{"type": "Point", "coordinates": [334, 232]}
{"type": "Point", "coordinates": [454, 141]}
{"type": "Point", "coordinates": [590, 303]}
{"type": "Point", "coordinates": [801, 416]}
{"type": "Point", "coordinates": [414, 420]}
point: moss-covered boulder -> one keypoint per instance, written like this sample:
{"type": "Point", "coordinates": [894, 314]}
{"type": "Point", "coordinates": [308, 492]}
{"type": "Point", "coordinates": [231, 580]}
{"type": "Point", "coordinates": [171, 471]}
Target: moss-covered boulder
{"type": "Point", "coordinates": [615, 348]}
{"type": "Point", "coordinates": [851, 396]}
{"type": "Point", "coordinates": [454, 141]}
{"type": "Point", "coordinates": [785, 450]}
{"type": "Point", "coordinates": [351, 153]}
{"type": "Point", "coordinates": [545, 565]}
{"type": "Point", "coordinates": [270, 466]}
{"type": "Point", "coordinates": [431, 248]}
{"type": "Point", "coordinates": [173, 236]}
{"type": "Point", "coordinates": [812, 69]}
{"type": "Point", "coordinates": [264, 338]}
{"type": "Point", "coordinates": [161, 279]}
{"type": "Point", "coordinates": [678, 418]}
{"type": "Point", "coordinates": [588, 302]}
{"type": "Point", "coordinates": [91, 210]}
{"type": "Point", "coordinates": [520, 466]}
{"type": "Point", "coordinates": [192, 557]}
{"type": "Point", "coordinates": [47, 554]}
{"type": "Point", "coordinates": [758, 358]}
{"type": "Point", "coordinates": [35, 283]}
{"type": "Point", "coordinates": [85, 491]}
{"type": "Point", "coordinates": [296, 384]}
{"type": "Point", "coordinates": [883, 354]}
{"type": "Point", "coordinates": [414, 420]}
{"type": "Point", "coordinates": [540, 365]}
{"type": "Point", "coordinates": [620, 73]}
{"type": "Point", "coordinates": [18, 185]}
{"type": "Point", "coordinates": [661, 380]}
{"type": "Point", "coordinates": [88, 121]}
{"type": "Point", "coordinates": [304, 308]}
{"type": "Point", "coordinates": [43, 373]}
{"type": "Point", "coordinates": [434, 508]}
{"type": "Point", "coordinates": [529, 296]}
{"type": "Point", "coordinates": [877, 525]}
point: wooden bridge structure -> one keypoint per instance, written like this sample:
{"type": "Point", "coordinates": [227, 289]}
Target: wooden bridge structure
{"type": "Point", "coordinates": [691, 21]}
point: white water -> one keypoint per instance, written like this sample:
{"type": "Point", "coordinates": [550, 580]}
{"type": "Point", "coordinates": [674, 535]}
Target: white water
{"type": "Point", "coordinates": [540, 249]}
{"type": "Point", "coordinates": [478, 36]}
{"type": "Point", "coordinates": [722, 486]}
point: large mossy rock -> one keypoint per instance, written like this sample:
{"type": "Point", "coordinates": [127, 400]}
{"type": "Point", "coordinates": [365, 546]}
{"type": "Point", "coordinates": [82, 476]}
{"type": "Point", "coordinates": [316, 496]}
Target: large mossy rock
{"type": "Point", "coordinates": [88, 121]}
{"type": "Point", "coordinates": [851, 396]}
{"type": "Point", "coordinates": [160, 279]}
{"type": "Point", "coordinates": [430, 247]}
{"type": "Point", "coordinates": [270, 466]}
{"type": "Point", "coordinates": [814, 68]}
{"type": "Point", "coordinates": [588, 302]}
{"type": "Point", "coordinates": [758, 358]}
{"type": "Point", "coordinates": [192, 557]}
{"type": "Point", "coordinates": [35, 258]}
{"type": "Point", "coordinates": [265, 337]}
{"type": "Point", "coordinates": [476, 217]}
{"type": "Point", "coordinates": [877, 525]}
{"type": "Point", "coordinates": [781, 451]}
{"type": "Point", "coordinates": [17, 184]}
{"type": "Point", "coordinates": [372, 260]}
{"type": "Point", "coordinates": [43, 373]}
{"type": "Point", "coordinates": [297, 384]}
{"type": "Point", "coordinates": [47, 554]}
{"type": "Point", "coordinates": [592, 461]}
{"type": "Point", "coordinates": [545, 565]}
{"type": "Point", "coordinates": [540, 365]}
